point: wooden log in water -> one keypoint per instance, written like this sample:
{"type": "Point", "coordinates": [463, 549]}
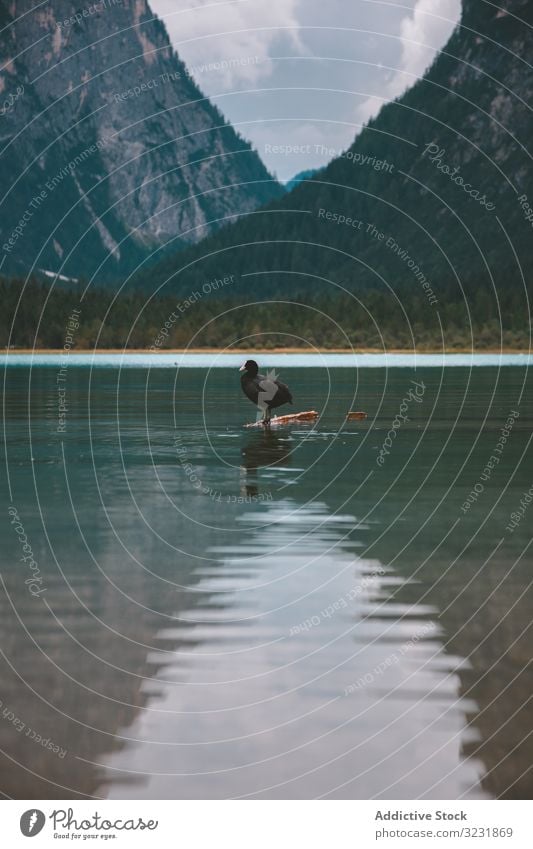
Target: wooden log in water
{"type": "Point", "coordinates": [306, 416]}
{"type": "Point", "coordinates": [355, 415]}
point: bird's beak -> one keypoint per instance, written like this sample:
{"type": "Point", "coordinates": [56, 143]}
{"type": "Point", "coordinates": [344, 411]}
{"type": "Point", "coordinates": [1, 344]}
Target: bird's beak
{"type": "Point", "coordinates": [243, 367]}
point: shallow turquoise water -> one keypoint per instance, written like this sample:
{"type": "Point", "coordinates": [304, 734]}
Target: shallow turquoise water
{"type": "Point", "coordinates": [234, 613]}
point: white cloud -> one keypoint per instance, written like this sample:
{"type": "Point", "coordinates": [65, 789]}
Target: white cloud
{"type": "Point", "coordinates": [228, 44]}
{"type": "Point", "coordinates": [422, 34]}
{"type": "Point", "coordinates": [373, 48]}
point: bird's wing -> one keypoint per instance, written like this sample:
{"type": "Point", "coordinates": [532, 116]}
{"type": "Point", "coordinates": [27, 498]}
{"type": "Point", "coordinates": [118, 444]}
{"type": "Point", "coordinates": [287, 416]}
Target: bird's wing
{"type": "Point", "coordinates": [285, 389]}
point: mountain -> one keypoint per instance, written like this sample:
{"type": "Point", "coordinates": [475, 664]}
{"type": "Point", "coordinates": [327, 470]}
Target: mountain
{"type": "Point", "coordinates": [433, 198]}
{"type": "Point", "coordinates": [108, 149]}
{"type": "Point", "coordinates": [301, 175]}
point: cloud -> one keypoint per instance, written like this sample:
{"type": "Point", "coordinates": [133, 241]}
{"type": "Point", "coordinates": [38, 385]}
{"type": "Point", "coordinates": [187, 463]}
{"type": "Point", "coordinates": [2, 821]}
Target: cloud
{"type": "Point", "coordinates": [227, 45]}
{"type": "Point", "coordinates": [323, 67]}
{"type": "Point", "coordinates": [422, 34]}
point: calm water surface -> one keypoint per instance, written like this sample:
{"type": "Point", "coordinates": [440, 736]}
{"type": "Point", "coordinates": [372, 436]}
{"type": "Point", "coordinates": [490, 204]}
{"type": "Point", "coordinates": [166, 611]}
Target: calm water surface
{"type": "Point", "coordinates": [225, 612]}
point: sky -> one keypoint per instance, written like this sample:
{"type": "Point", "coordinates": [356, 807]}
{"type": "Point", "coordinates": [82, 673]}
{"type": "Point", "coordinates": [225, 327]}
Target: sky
{"type": "Point", "coordinates": [298, 78]}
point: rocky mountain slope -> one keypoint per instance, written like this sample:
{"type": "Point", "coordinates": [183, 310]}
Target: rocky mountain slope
{"type": "Point", "coordinates": [108, 149]}
{"type": "Point", "coordinates": [434, 196]}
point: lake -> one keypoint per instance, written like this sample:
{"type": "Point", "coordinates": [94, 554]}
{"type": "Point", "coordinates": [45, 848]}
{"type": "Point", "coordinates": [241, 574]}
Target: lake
{"type": "Point", "coordinates": [191, 609]}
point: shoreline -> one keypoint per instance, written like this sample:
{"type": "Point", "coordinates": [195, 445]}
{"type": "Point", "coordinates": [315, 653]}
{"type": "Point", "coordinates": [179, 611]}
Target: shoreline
{"type": "Point", "coordinates": [261, 351]}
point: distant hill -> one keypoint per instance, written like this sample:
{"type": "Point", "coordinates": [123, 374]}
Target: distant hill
{"type": "Point", "coordinates": [434, 196]}
{"type": "Point", "coordinates": [108, 148]}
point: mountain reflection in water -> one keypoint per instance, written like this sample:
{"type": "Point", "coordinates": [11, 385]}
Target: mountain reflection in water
{"type": "Point", "coordinates": [345, 631]}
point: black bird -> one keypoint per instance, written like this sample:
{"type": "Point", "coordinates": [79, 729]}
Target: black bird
{"type": "Point", "coordinates": [263, 390]}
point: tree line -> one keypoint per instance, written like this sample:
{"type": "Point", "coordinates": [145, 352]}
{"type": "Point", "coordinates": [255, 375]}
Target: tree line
{"type": "Point", "coordinates": [36, 315]}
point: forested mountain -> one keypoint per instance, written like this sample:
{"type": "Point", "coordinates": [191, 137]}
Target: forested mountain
{"type": "Point", "coordinates": [108, 149]}
{"type": "Point", "coordinates": [432, 197]}
{"type": "Point", "coordinates": [418, 236]}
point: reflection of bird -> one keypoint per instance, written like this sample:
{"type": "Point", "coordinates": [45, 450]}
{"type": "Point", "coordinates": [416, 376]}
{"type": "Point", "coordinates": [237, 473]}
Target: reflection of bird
{"type": "Point", "coordinates": [265, 448]}
{"type": "Point", "coordinates": [264, 391]}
